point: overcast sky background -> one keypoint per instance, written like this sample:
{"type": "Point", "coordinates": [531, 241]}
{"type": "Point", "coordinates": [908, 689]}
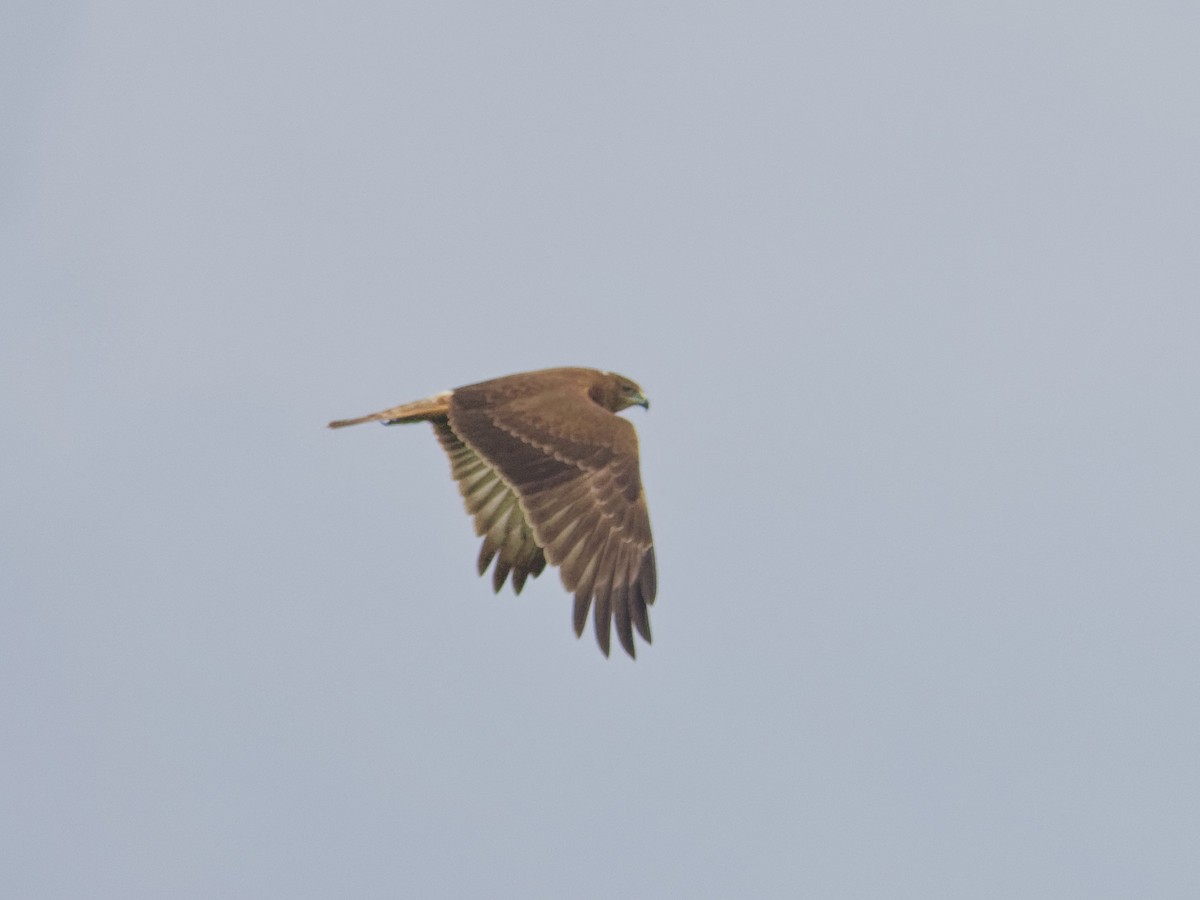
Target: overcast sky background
{"type": "Point", "coordinates": [914, 291]}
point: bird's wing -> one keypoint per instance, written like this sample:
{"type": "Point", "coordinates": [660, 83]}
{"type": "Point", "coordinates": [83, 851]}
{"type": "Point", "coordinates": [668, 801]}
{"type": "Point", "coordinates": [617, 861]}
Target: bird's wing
{"type": "Point", "coordinates": [573, 467]}
{"type": "Point", "coordinates": [499, 519]}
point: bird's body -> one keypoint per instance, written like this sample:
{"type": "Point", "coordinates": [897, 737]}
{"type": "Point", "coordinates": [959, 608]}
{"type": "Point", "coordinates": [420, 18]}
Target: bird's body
{"type": "Point", "coordinates": [550, 474]}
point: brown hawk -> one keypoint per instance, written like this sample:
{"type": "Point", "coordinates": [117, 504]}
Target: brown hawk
{"type": "Point", "coordinates": [550, 473]}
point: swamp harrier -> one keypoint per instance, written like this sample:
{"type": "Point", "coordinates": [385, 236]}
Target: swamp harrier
{"type": "Point", "coordinates": [550, 473]}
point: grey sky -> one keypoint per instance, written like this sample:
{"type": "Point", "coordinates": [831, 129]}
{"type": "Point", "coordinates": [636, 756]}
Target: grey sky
{"type": "Point", "coordinates": [914, 291]}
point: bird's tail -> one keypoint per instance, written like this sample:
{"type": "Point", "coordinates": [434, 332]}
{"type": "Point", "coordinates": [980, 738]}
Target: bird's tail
{"type": "Point", "coordinates": [417, 411]}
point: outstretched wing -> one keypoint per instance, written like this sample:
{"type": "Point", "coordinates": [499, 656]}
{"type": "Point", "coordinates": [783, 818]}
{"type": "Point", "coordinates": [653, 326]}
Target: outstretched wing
{"type": "Point", "coordinates": [573, 468]}
{"type": "Point", "coordinates": [499, 519]}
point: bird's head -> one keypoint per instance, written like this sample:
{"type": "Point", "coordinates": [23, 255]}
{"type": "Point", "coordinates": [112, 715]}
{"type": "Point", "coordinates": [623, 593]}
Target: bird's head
{"type": "Point", "coordinates": [621, 393]}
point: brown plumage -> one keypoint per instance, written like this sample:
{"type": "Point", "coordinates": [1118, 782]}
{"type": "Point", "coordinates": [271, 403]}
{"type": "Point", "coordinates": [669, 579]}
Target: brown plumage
{"type": "Point", "coordinates": [550, 473]}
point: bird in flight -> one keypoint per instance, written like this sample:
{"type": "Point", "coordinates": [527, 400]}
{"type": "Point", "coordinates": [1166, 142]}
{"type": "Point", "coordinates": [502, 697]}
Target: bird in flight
{"type": "Point", "coordinates": [550, 474]}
